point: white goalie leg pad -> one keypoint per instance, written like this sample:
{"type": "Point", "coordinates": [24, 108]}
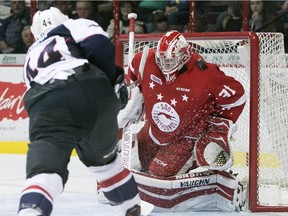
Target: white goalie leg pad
{"type": "Point", "coordinates": [240, 196]}
{"type": "Point", "coordinates": [194, 191]}
{"type": "Point", "coordinates": [134, 109]}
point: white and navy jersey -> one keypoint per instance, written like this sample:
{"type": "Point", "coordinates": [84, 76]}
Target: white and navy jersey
{"type": "Point", "coordinates": [67, 46]}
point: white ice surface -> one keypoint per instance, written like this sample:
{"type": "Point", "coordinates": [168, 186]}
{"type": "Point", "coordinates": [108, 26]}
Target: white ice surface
{"type": "Point", "coordinates": [79, 196]}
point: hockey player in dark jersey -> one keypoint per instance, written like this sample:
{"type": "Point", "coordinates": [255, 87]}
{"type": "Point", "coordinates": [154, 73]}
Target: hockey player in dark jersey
{"type": "Point", "coordinates": [70, 75]}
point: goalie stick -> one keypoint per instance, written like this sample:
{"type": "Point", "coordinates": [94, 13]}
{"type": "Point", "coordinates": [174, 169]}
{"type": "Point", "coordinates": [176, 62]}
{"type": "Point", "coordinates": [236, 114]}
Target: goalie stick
{"type": "Point", "coordinates": [126, 143]}
{"type": "Point", "coordinates": [127, 133]}
{"type": "Point", "coordinates": [143, 60]}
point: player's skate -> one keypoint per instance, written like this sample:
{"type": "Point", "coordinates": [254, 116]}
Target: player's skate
{"type": "Point", "coordinates": [134, 211]}
{"type": "Point", "coordinates": [29, 212]}
{"type": "Point", "coordinates": [100, 196]}
{"type": "Point", "coordinates": [146, 207]}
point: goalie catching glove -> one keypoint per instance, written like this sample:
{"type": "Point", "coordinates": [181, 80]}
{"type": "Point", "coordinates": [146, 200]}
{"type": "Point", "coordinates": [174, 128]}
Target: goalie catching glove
{"type": "Point", "coordinates": [212, 149]}
{"type": "Point", "coordinates": [134, 109]}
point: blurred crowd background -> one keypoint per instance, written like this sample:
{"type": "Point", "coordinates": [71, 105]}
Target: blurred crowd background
{"type": "Point", "coordinates": [152, 17]}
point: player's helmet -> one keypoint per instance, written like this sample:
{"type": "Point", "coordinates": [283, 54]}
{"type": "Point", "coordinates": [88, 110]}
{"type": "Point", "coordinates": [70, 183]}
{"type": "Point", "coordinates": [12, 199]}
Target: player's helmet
{"type": "Point", "coordinates": [45, 21]}
{"type": "Point", "coordinates": [172, 53]}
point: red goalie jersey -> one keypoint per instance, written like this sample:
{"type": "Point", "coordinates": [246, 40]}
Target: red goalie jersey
{"type": "Point", "coordinates": [177, 112]}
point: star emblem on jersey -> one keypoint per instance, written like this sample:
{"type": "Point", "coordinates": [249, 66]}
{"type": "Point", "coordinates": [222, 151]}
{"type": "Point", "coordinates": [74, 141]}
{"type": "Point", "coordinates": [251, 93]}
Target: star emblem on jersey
{"type": "Point", "coordinates": [159, 97]}
{"type": "Point", "coordinates": [173, 102]}
{"type": "Point", "coordinates": [151, 85]}
{"type": "Point", "coordinates": [184, 98]}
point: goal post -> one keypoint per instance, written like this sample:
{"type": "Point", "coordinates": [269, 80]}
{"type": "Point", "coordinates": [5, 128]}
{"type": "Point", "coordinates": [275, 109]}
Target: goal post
{"type": "Point", "coordinates": [260, 144]}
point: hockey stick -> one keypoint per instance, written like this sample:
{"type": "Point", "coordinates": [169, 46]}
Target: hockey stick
{"type": "Point", "coordinates": [132, 17]}
{"type": "Point", "coordinates": [143, 60]}
{"type": "Point", "coordinates": [127, 133]}
{"type": "Point", "coordinates": [141, 66]}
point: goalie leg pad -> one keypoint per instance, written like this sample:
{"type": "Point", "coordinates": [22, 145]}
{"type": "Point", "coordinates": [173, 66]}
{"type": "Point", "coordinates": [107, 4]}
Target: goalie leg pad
{"type": "Point", "coordinates": [193, 191]}
{"type": "Point", "coordinates": [239, 200]}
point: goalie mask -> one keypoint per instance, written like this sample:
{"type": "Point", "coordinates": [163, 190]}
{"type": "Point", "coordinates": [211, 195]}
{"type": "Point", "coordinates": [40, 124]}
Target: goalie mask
{"type": "Point", "coordinates": [45, 21]}
{"type": "Point", "coordinates": [172, 53]}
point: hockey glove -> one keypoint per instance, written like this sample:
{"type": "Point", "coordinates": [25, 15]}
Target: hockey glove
{"type": "Point", "coordinates": [212, 150]}
{"type": "Point", "coordinates": [120, 88]}
{"type": "Point", "coordinates": [134, 109]}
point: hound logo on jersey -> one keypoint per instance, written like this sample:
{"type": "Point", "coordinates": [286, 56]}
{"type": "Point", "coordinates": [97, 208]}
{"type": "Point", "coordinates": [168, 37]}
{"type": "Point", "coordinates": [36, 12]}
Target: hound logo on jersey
{"type": "Point", "coordinates": [165, 116]}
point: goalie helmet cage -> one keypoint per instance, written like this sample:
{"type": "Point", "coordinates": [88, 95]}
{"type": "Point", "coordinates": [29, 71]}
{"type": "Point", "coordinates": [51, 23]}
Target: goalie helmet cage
{"type": "Point", "coordinates": [260, 143]}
